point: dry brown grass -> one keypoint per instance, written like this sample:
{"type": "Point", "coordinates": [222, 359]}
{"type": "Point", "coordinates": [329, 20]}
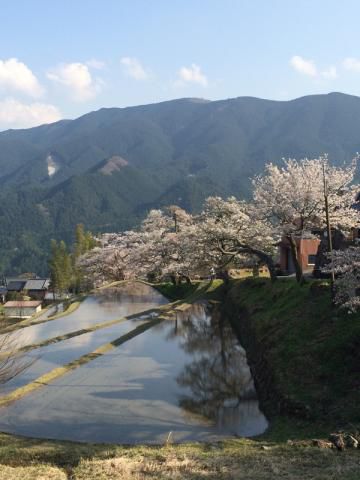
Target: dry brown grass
{"type": "Point", "coordinates": [239, 459]}
{"type": "Point", "coordinates": [38, 472]}
{"type": "Point", "coordinates": [235, 461]}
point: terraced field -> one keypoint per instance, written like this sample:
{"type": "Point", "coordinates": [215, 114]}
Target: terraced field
{"type": "Point", "coordinates": [127, 367]}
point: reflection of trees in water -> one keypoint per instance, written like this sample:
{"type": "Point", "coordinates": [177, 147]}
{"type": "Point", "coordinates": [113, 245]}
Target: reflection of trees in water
{"type": "Point", "coordinates": [12, 361]}
{"type": "Point", "coordinates": [219, 375]}
{"type": "Point", "coordinates": [128, 293]}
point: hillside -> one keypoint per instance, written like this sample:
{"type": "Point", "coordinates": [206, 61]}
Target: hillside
{"type": "Point", "coordinates": [304, 352]}
{"type": "Point", "coordinates": [107, 168]}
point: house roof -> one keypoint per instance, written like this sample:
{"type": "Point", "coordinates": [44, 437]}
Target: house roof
{"type": "Point", "coordinates": [37, 284]}
{"type": "Point", "coordinates": [16, 285]}
{"type": "Point", "coordinates": [22, 304]}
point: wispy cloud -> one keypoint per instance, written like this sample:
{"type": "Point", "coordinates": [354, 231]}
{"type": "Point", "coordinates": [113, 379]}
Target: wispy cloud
{"type": "Point", "coordinates": [329, 73]}
{"type": "Point", "coordinates": [96, 64]}
{"type": "Point", "coordinates": [15, 114]}
{"type": "Point", "coordinates": [192, 74]}
{"type": "Point", "coordinates": [308, 67]}
{"type": "Point", "coordinates": [133, 68]}
{"type": "Point", "coordinates": [15, 76]}
{"type": "Point", "coordinates": [77, 79]}
{"type": "Point", "coordinates": [351, 63]}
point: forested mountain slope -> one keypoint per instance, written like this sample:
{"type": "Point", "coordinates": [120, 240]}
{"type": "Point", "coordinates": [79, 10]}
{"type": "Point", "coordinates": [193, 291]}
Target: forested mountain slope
{"type": "Point", "coordinates": [107, 168]}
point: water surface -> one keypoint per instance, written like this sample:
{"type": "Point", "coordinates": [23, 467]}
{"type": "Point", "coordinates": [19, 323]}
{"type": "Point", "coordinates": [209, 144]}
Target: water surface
{"type": "Point", "coordinates": [107, 304]}
{"type": "Point", "coordinates": [187, 376]}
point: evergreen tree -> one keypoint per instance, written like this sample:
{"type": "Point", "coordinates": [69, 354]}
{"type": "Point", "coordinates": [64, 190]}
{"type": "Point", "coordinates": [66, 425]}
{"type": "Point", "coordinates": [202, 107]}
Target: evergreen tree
{"type": "Point", "coordinates": [60, 267]}
{"type": "Point", "coordinates": [84, 241]}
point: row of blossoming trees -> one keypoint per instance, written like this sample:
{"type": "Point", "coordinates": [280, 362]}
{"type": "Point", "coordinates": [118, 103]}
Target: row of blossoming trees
{"type": "Point", "coordinates": [287, 203]}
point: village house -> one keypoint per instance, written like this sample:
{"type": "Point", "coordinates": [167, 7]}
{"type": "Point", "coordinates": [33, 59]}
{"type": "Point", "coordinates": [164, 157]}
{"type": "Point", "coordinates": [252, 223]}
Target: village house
{"type": "Point", "coordinates": [307, 249]}
{"type": "Point", "coordinates": [14, 285]}
{"type": "Point", "coordinates": [311, 251]}
{"type": "Point", "coordinates": [22, 308]}
{"type": "Point", "coordinates": [35, 288]}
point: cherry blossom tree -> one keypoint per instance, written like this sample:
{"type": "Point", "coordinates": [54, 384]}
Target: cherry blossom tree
{"type": "Point", "coordinates": [162, 246]}
{"type": "Point", "coordinates": [291, 198]}
{"type": "Point", "coordinates": [172, 243]}
{"type": "Point", "coordinates": [287, 202]}
{"type": "Point", "coordinates": [346, 265]}
{"type": "Point", "coordinates": [109, 260]}
{"type": "Point", "coordinates": [233, 231]}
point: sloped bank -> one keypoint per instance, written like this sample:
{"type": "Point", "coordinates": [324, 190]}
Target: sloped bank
{"type": "Point", "coordinates": [304, 353]}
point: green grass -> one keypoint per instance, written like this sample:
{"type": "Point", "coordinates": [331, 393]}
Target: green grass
{"type": "Point", "coordinates": [208, 290]}
{"type": "Point", "coordinates": [176, 292]}
{"type": "Point", "coordinates": [307, 348]}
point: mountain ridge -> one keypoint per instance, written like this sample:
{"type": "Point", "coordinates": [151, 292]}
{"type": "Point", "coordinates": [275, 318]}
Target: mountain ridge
{"type": "Point", "coordinates": [178, 151]}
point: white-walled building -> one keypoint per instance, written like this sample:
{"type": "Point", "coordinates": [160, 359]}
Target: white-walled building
{"type": "Point", "coordinates": [22, 308]}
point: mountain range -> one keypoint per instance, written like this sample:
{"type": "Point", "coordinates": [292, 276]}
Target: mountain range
{"type": "Point", "coordinates": [107, 168]}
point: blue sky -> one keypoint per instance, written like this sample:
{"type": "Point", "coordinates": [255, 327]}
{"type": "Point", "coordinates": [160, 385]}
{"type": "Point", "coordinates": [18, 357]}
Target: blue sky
{"type": "Point", "coordinates": [60, 59]}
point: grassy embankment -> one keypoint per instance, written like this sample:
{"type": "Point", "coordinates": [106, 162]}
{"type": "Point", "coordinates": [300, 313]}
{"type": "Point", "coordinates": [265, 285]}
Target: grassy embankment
{"type": "Point", "coordinates": [305, 354]}
{"type": "Point", "coordinates": [310, 357]}
{"type": "Point", "coordinates": [209, 290]}
{"type": "Point", "coordinates": [26, 459]}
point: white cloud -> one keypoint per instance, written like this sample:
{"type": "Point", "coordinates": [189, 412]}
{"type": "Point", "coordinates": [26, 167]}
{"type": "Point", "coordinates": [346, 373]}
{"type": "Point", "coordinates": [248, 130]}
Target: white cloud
{"type": "Point", "coordinates": [77, 78]}
{"type": "Point", "coordinates": [96, 64]}
{"type": "Point", "coordinates": [352, 64]}
{"type": "Point", "coordinates": [330, 72]}
{"type": "Point", "coordinates": [16, 76]}
{"type": "Point", "coordinates": [15, 114]}
{"type": "Point", "coordinates": [192, 74]}
{"type": "Point", "coordinates": [309, 68]}
{"type": "Point", "coordinates": [133, 68]}
{"type": "Point", "coordinates": [304, 66]}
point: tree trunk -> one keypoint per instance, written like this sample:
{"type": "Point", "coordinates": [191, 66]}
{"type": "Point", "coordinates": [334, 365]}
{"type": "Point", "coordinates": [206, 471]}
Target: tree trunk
{"type": "Point", "coordinates": [298, 269]}
{"type": "Point", "coordinates": [264, 258]}
{"type": "Point", "coordinates": [174, 280]}
{"type": "Point", "coordinates": [187, 278]}
{"type": "Point", "coordinates": [225, 277]}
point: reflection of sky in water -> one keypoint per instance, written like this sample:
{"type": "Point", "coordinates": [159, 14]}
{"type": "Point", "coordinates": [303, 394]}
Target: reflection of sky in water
{"type": "Point", "coordinates": [188, 376]}
{"type": "Point", "coordinates": [44, 359]}
{"type": "Point", "coordinates": [107, 304]}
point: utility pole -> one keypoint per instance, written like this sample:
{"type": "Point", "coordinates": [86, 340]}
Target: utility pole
{"type": "Point", "coordinates": [328, 228]}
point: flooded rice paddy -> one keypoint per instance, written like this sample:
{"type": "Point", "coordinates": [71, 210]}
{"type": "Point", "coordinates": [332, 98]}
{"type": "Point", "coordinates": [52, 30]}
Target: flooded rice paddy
{"type": "Point", "coordinates": [184, 379]}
